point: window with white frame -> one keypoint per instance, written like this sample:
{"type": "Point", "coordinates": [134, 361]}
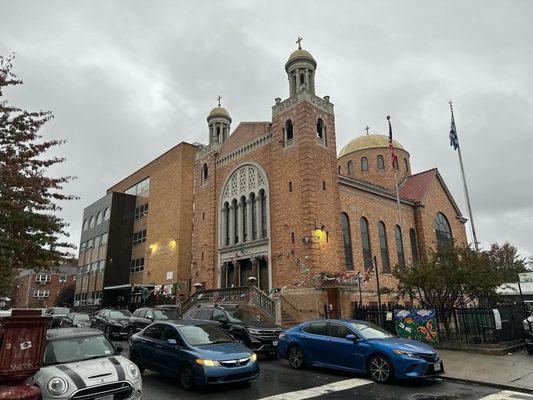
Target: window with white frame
{"type": "Point", "coordinates": [101, 265]}
{"type": "Point", "coordinates": [141, 188]}
{"type": "Point", "coordinates": [63, 278]}
{"type": "Point", "coordinates": [137, 265]}
{"type": "Point", "coordinates": [139, 237]}
{"type": "Point", "coordinates": [43, 278]}
{"type": "Point", "coordinates": [41, 293]}
{"type": "Point", "coordinates": [141, 211]}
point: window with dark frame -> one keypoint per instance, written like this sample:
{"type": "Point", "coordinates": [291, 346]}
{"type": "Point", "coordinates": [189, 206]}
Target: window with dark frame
{"type": "Point", "coordinates": [384, 248]}
{"type": "Point", "coordinates": [364, 164]}
{"type": "Point", "coordinates": [347, 241]}
{"type": "Point", "coordinates": [381, 163]}
{"type": "Point", "coordinates": [137, 265]}
{"type": "Point", "coordinates": [139, 237]}
{"type": "Point", "coordinates": [414, 245]}
{"type": "Point", "coordinates": [399, 245]}
{"type": "Point", "coordinates": [365, 243]}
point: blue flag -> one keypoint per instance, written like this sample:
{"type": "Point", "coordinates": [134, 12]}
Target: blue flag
{"type": "Point", "coordinates": [454, 140]}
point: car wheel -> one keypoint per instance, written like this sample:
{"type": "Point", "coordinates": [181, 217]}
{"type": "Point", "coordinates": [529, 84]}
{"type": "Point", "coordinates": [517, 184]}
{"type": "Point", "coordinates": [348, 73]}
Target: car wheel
{"type": "Point", "coordinates": [136, 359]}
{"type": "Point", "coordinates": [380, 369]}
{"type": "Point", "coordinates": [186, 377]}
{"type": "Point", "coordinates": [296, 356]}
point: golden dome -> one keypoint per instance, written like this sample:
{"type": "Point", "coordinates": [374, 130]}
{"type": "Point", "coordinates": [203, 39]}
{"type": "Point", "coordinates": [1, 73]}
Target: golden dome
{"type": "Point", "coordinates": [368, 142]}
{"type": "Point", "coordinates": [300, 53]}
{"type": "Point", "coordinates": [219, 112]}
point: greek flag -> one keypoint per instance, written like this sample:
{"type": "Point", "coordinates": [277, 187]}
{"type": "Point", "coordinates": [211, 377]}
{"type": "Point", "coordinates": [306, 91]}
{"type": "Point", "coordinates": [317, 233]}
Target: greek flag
{"type": "Point", "coordinates": [454, 140]}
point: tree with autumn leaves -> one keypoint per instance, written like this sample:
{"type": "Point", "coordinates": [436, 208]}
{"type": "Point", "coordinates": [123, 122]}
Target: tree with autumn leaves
{"type": "Point", "coordinates": [32, 235]}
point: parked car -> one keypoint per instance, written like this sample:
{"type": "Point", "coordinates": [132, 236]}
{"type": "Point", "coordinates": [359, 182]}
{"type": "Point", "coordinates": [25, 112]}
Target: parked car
{"type": "Point", "coordinates": [57, 314]}
{"type": "Point", "coordinates": [528, 333]}
{"type": "Point", "coordinates": [83, 364]}
{"type": "Point", "coordinates": [76, 320]}
{"type": "Point", "coordinates": [360, 347]}
{"type": "Point", "coordinates": [261, 337]}
{"type": "Point", "coordinates": [143, 317]}
{"type": "Point", "coordinates": [114, 323]}
{"type": "Point", "coordinates": [198, 353]}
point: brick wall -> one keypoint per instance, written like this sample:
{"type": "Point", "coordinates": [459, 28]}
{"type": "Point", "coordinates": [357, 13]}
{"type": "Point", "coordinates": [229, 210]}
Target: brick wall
{"type": "Point", "coordinates": [24, 287]}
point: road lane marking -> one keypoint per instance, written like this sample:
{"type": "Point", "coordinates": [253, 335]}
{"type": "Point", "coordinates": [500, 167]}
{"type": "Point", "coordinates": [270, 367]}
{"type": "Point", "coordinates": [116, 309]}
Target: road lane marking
{"type": "Point", "coordinates": [320, 390]}
{"type": "Point", "coordinates": [508, 395]}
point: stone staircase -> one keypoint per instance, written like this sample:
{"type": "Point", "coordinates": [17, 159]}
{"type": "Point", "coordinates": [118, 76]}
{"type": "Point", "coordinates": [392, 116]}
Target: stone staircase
{"type": "Point", "coordinates": [287, 320]}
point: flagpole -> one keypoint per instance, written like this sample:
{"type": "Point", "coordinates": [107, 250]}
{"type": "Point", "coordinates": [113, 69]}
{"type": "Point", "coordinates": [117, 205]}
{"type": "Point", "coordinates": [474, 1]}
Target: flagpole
{"type": "Point", "coordinates": [465, 186]}
{"type": "Point", "coordinates": [395, 168]}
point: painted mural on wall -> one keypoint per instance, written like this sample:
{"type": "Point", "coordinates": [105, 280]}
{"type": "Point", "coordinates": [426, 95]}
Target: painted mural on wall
{"type": "Point", "coordinates": [416, 324]}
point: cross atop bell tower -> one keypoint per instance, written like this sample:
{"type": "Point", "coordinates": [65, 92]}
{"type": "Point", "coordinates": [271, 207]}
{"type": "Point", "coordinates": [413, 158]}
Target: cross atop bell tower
{"type": "Point", "coordinates": [300, 69]}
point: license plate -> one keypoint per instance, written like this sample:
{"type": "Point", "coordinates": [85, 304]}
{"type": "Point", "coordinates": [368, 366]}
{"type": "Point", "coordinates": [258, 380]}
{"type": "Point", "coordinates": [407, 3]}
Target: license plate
{"type": "Point", "coordinates": [437, 367]}
{"type": "Point", "coordinates": [274, 343]}
{"type": "Point", "coordinates": [110, 397]}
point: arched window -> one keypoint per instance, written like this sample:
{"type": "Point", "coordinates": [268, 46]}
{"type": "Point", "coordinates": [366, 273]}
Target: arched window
{"type": "Point", "coordinates": [91, 222]}
{"type": "Point", "coordinates": [364, 164]}
{"type": "Point", "coordinates": [205, 173]}
{"type": "Point", "coordinates": [98, 218]}
{"type": "Point", "coordinates": [443, 232]}
{"type": "Point", "coordinates": [218, 133]}
{"type": "Point", "coordinates": [253, 203]}
{"type": "Point", "coordinates": [399, 245]}
{"type": "Point", "coordinates": [263, 214]}
{"type": "Point", "coordinates": [244, 208]}
{"type": "Point", "coordinates": [226, 223]}
{"type": "Point", "coordinates": [350, 167]}
{"type": "Point", "coordinates": [381, 162]}
{"type": "Point", "coordinates": [414, 245]}
{"type": "Point", "coordinates": [365, 242]}
{"type": "Point", "coordinates": [106, 214]}
{"type": "Point", "coordinates": [235, 221]}
{"type": "Point", "coordinates": [340, 170]}
{"type": "Point", "coordinates": [406, 165]}
{"type": "Point", "coordinates": [383, 248]}
{"type": "Point", "coordinates": [289, 132]}
{"type": "Point", "coordinates": [347, 242]}
{"type": "Point", "coordinates": [320, 130]}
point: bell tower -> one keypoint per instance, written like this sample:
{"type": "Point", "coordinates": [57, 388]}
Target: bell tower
{"type": "Point", "coordinates": [219, 122]}
{"type": "Point", "coordinates": [305, 198]}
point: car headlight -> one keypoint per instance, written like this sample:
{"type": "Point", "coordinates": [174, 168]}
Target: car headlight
{"type": "Point", "coordinates": [253, 357]}
{"type": "Point", "coordinates": [133, 371]}
{"type": "Point", "coordinates": [57, 386]}
{"type": "Point", "coordinates": [253, 331]}
{"type": "Point", "coordinates": [207, 363]}
{"type": "Point", "coordinates": [403, 353]}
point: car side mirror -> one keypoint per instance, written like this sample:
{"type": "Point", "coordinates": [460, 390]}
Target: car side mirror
{"type": "Point", "coordinates": [352, 338]}
{"type": "Point", "coordinates": [172, 342]}
{"type": "Point", "coordinates": [118, 349]}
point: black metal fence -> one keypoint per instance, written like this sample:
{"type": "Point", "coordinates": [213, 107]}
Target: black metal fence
{"type": "Point", "coordinates": [459, 325]}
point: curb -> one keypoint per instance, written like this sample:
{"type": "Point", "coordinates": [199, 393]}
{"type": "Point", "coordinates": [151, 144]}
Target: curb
{"type": "Point", "coordinates": [490, 384]}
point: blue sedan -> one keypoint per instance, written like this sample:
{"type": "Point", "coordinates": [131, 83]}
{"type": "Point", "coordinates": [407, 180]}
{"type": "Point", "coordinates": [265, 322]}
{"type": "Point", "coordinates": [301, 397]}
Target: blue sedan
{"type": "Point", "coordinates": [197, 353]}
{"type": "Point", "coordinates": [357, 346]}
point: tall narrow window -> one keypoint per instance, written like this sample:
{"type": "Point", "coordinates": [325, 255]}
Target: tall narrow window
{"type": "Point", "coordinates": [340, 170]}
{"type": "Point", "coordinates": [365, 242]}
{"type": "Point", "coordinates": [399, 244]}
{"type": "Point", "coordinates": [263, 214]}
{"type": "Point", "coordinates": [443, 232]}
{"type": "Point", "coordinates": [235, 222]}
{"type": "Point", "coordinates": [244, 219]}
{"type": "Point", "coordinates": [98, 218]}
{"type": "Point", "coordinates": [350, 167]}
{"type": "Point", "coordinates": [383, 248]}
{"type": "Point", "coordinates": [205, 173]}
{"type": "Point", "coordinates": [91, 222]}
{"type": "Point", "coordinates": [289, 132]}
{"type": "Point", "coordinates": [253, 204]}
{"type": "Point", "coordinates": [364, 164]}
{"type": "Point", "coordinates": [107, 213]}
{"type": "Point", "coordinates": [414, 245]}
{"type": "Point", "coordinates": [406, 165]}
{"type": "Point", "coordinates": [381, 163]}
{"type": "Point", "coordinates": [218, 133]}
{"type": "Point", "coordinates": [320, 130]}
{"type": "Point", "coordinates": [347, 242]}
{"type": "Point", "coordinates": [226, 224]}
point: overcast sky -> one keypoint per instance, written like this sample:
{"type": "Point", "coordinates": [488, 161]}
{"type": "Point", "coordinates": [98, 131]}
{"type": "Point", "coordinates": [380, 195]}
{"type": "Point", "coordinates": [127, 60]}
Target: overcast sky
{"type": "Point", "coordinates": [127, 80]}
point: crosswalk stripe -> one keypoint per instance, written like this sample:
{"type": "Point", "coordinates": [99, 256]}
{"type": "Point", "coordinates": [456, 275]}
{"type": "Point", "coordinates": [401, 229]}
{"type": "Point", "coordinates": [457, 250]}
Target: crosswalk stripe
{"type": "Point", "coordinates": [320, 390]}
{"type": "Point", "coordinates": [508, 395]}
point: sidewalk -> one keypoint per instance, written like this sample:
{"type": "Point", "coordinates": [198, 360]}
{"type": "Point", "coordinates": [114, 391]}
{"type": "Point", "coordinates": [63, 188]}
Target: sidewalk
{"type": "Point", "coordinates": [514, 370]}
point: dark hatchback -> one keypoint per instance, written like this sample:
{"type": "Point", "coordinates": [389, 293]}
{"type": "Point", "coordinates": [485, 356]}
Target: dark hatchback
{"type": "Point", "coordinates": [261, 337]}
{"type": "Point", "coordinates": [197, 353]}
{"type": "Point", "coordinates": [114, 323]}
{"type": "Point", "coordinates": [143, 317]}
{"type": "Point", "coordinates": [76, 320]}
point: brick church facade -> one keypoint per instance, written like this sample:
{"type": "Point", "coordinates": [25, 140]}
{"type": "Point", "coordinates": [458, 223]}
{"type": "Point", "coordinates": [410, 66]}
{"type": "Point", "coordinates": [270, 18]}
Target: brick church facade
{"type": "Point", "coordinates": [274, 205]}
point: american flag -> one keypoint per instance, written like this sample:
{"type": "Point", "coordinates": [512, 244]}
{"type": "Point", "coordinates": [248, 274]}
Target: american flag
{"type": "Point", "coordinates": [391, 146]}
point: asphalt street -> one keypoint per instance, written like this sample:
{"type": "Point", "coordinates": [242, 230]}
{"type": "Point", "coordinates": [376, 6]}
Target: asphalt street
{"type": "Point", "coordinates": [278, 381]}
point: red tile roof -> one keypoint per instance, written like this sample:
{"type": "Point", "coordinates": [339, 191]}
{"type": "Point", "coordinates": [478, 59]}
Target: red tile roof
{"type": "Point", "coordinates": [415, 186]}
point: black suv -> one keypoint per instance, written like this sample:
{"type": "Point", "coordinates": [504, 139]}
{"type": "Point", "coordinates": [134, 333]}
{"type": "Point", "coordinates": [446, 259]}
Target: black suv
{"type": "Point", "coordinates": [143, 317]}
{"type": "Point", "coordinates": [261, 337]}
{"type": "Point", "coordinates": [114, 323]}
{"type": "Point", "coordinates": [57, 314]}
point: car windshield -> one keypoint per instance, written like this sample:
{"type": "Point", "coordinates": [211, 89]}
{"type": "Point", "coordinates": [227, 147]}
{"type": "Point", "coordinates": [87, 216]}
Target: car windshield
{"type": "Point", "coordinates": [200, 335]}
{"type": "Point", "coordinates": [166, 314]}
{"type": "Point", "coordinates": [369, 331]}
{"type": "Point", "coordinates": [119, 314]}
{"type": "Point", "coordinates": [240, 315]}
{"type": "Point", "coordinates": [81, 317]}
{"type": "Point", "coordinates": [68, 350]}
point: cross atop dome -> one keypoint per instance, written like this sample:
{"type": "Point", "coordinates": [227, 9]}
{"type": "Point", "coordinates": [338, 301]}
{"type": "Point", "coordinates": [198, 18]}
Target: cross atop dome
{"type": "Point", "coordinates": [219, 98]}
{"type": "Point", "coordinates": [299, 41]}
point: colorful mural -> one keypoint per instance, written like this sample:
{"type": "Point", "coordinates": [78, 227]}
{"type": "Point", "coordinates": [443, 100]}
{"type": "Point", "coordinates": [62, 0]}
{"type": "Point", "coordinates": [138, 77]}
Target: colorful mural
{"type": "Point", "coordinates": [416, 324]}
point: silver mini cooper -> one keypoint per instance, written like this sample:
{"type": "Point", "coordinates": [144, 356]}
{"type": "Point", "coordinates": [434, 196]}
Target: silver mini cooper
{"type": "Point", "coordinates": [81, 363]}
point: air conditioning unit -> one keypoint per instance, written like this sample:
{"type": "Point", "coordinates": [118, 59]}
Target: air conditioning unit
{"type": "Point", "coordinates": [97, 301]}
{"type": "Point", "coordinates": [42, 283]}
{"type": "Point", "coordinates": [40, 298]}
{"type": "Point", "coordinates": [76, 303]}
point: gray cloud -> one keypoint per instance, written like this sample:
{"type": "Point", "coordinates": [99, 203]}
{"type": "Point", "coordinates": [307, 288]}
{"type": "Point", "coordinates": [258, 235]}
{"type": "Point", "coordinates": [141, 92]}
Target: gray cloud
{"type": "Point", "coordinates": [128, 80]}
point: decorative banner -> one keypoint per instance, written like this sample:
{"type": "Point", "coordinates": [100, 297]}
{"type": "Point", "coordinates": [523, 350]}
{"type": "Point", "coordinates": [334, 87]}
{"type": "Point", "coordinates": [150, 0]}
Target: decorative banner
{"type": "Point", "coordinates": [416, 324]}
{"type": "Point", "coordinates": [157, 289]}
{"type": "Point", "coordinates": [167, 290]}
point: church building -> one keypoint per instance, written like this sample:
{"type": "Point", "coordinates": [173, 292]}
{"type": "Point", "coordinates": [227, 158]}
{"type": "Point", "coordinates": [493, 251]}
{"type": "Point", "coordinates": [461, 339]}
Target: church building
{"type": "Point", "coordinates": [275, 205]}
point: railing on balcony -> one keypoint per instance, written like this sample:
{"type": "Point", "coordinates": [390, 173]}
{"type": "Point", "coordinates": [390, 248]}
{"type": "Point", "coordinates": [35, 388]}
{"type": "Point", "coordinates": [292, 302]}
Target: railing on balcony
{"type": "Point", "coordinates": [248, 294]}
